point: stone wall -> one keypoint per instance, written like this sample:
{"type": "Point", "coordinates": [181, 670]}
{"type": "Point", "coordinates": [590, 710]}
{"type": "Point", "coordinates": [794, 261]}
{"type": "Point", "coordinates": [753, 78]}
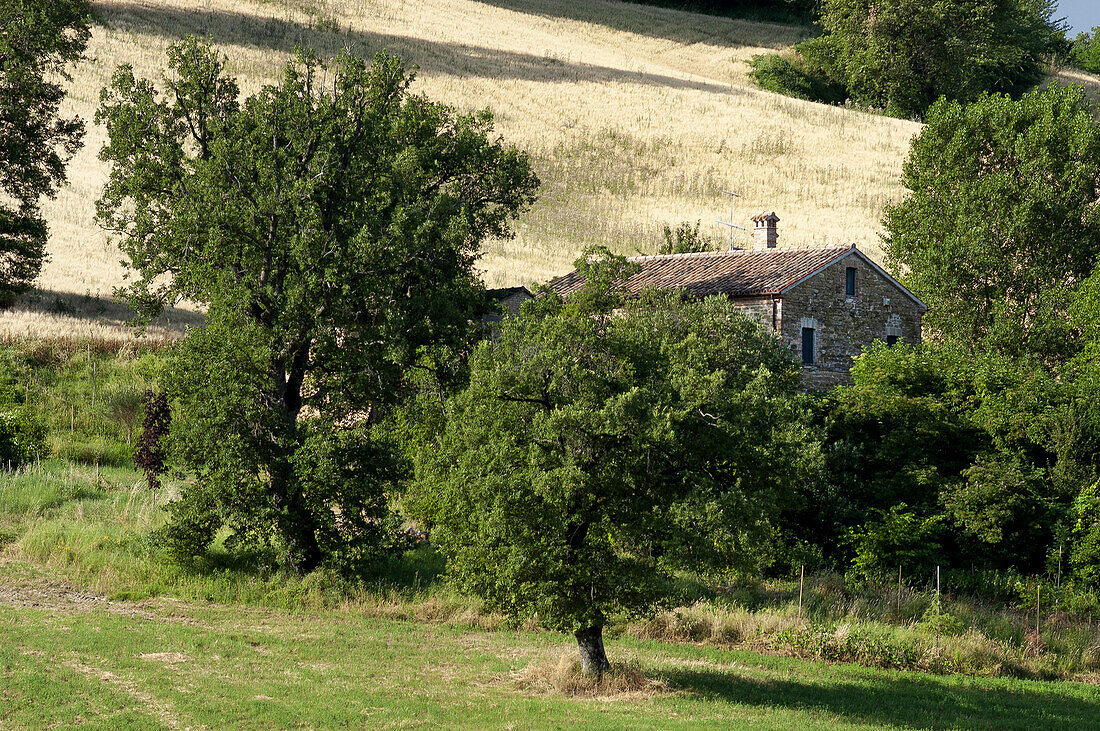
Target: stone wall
{"type": "Point", "coordinates": [764, 310]}
{"type": "Point", "coordinates": [844, 325]}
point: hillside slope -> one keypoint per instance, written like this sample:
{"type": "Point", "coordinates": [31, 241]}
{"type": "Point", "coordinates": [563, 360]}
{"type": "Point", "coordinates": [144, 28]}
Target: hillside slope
{"type": "Point", "coordinates": [636, 117]}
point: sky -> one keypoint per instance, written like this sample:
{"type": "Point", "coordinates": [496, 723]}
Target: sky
{"type": "Point", "coordinates": [1082, 15]}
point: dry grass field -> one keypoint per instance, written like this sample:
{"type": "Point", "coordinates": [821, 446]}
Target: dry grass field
{"type": "Point", "coordinates": [635, 116]}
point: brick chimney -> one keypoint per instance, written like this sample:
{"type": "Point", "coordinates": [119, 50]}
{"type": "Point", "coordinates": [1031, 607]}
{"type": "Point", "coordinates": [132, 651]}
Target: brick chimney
{"type": "Point", "coordinates": [764, 234]}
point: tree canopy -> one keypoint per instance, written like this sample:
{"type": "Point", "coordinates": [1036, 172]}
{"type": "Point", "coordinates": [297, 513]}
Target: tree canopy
{"type": "Point", "coordinates": [903, 55]}
{"type": "Point", "coordinates": [38, 41]}
{"type": "Point", "coordinates": [1002, 222]}
{"type": "Point", "coordinates": [330, 223]}
{"type": "Point", "coordinates": [602, 443]}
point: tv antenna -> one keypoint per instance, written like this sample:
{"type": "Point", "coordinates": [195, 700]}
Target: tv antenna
{"type": "Point", "coordinates": [730, 223]}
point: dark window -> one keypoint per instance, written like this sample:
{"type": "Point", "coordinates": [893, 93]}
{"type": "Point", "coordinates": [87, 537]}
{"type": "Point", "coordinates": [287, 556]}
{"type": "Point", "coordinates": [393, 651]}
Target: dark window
{"type": "Point", "coordinates": [807, 346]}
{"type": "Point", "coordinates": [891, 339]}
{"type": "Point", "coordinates": [850, 281]}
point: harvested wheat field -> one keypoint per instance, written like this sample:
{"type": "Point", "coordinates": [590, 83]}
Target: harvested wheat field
{"type": "Point", "coordinates": [635, 116]}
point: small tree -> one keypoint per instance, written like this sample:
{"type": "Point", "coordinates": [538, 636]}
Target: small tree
{"type": "Point", "coordinates": [685, 239]}
{"type": "Point", "coordinates": [38, 41]}
{"type": "Point", "coordinates": [331, 224]}
{"type": "Point", "coordinates": [603, 443]}
{"type": "Point", "coordinates": [124, 405]}
{"type": "Point", "coordinates": [1085, 51]}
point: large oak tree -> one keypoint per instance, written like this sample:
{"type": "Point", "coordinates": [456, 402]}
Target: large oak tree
{"type": "Point", "coordinates": [330, 223]}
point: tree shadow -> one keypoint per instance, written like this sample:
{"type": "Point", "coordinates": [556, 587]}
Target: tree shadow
{"type": "Point", "coordinates": [902, 700]}
{"type": "Point", "coordinates": [678, 26]}
{"type": "Point", "coordinates": [433, 57]}
{"type": "Point", "coordinates": [102, 310]}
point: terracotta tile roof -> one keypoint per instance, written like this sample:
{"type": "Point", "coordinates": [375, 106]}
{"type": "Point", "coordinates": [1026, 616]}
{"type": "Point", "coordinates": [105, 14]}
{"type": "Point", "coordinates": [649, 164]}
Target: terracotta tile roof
{"type": "Point", "coordinates": [735, 273]}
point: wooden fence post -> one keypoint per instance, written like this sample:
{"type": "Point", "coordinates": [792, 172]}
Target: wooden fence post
{"type": "Point", "coordinates": [801, 581]}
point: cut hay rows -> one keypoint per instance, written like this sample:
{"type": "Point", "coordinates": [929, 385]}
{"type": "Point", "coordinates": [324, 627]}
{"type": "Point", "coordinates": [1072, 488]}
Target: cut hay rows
{"type": "Point", "coordinates": [635, 117]}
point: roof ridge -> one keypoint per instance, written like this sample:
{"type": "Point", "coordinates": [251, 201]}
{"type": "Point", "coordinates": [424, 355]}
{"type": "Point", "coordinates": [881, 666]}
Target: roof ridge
{"type": "Point", "coordinates": [744, 252]}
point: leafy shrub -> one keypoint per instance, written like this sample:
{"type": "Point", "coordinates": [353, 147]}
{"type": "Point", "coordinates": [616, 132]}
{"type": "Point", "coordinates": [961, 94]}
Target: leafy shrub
{"type": "Point", "coordinates": [22, 437]}
{"type": "Point", "coordinates": [793, 75]}
{"type": "Point", "coordinates": [685, 239]}
{"type": "Point", "coordinates": [898, 538]}
{"type": "Point", "coordinates": [195, 520]}
{"type": "Point", "coordinates": [939, 621]}
{"type": "Point", "coordinates": [850, 643]}
{"type": "Point", "coordinates": [1084, 556]}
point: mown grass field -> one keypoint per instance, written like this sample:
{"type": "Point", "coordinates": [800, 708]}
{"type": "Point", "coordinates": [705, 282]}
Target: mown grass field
{"type": "Point", "coordinates": [68, 659]}
{"type": "Point", "coordinates": [97, 628]}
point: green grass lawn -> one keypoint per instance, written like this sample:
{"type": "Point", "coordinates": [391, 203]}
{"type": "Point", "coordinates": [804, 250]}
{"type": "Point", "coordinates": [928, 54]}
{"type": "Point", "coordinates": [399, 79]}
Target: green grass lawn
{"type": "Point", "coordinates": [165, 663]}
{"type": "Point", "coordinates": [97, 630]}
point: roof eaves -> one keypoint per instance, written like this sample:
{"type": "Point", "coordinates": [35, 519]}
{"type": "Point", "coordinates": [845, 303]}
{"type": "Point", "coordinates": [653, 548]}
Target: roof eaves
{"type": "Point", "coordinates": [841, 253]}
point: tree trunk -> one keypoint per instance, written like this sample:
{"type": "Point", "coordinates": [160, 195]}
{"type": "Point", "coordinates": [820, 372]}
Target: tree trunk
{"type": "Point", "coordinates": [590, 644]}
{"type": "Point", "coordinates": [297, 525]}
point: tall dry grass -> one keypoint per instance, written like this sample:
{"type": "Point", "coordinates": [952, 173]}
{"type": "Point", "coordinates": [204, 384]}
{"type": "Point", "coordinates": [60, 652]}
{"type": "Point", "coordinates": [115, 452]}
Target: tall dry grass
{"type": "Point", "coordinates": [636, 117]}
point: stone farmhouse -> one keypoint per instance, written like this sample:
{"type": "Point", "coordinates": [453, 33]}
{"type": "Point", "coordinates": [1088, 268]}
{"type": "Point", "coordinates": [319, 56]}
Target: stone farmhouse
{"type": "Point", "coordinates": [826, 303]}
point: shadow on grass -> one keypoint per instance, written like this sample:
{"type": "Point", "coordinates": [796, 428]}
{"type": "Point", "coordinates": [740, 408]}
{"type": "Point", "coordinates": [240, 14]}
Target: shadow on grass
{"type": "Point", "coordinates": [413, 571]}
{"type": "Point", "coordinates": [652, 18]}
{"type": "Point", "coordinates": [434, 57]}
{"type": "Point", "coordinates": [903, 700]}
{"type": "Point", "coordinates": [107, 310]}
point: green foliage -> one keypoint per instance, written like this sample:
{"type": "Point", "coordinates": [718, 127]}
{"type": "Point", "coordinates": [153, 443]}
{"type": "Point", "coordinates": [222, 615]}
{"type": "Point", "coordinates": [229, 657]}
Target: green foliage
{"type": "Point", "coordinates": [22, 433]}
{"type": "Point", "coordinates": [1003, 502]}
{"type": "Point", "coordinates": [898, 538]}
{"type": "Point", "coordinates": [849, 644]}
{"type": "Point", "coordinates": [1001, 224]}
{"type": "Point", "coordinates": [903, 55]}
{"type": "Point", "coordinates": [602, 443]}
{"type": "Point", "coordinates": [193, 523]}
{"type": "Point", "coordinates": [39, 39]}
{"type": "Point", "coordinates": [685, 239]}
{"type": "Point", "coordinates": [1085, 552]}
{"type": "Point", "coordinates": [993, 448]}
{"type": "Point", "coordinates": [22, 437]}
{"type": "Point", "coordinates": [896, 435]}
{"type": "Point", "coordinates": [941, 622]}
{"type": "Point", "coordinates": [331, 224]}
